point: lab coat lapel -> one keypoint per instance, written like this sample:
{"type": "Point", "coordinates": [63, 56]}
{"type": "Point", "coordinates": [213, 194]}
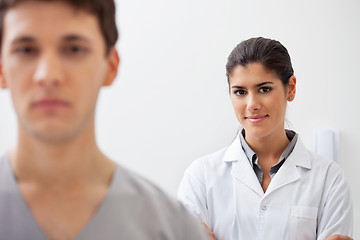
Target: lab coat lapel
{"type": "Point", "coordinates": [289, 171]}
{"type": "Point", "coordinates": [241, 168]}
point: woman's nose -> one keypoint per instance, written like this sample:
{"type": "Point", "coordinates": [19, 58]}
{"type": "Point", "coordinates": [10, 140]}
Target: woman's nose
{"type": "Point", "coordinates": [253, 103]}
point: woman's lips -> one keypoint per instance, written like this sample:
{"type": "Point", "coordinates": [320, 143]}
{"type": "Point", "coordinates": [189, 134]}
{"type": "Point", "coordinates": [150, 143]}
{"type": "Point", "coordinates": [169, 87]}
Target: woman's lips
{"type": "Point", "coordinates": [257, 119]}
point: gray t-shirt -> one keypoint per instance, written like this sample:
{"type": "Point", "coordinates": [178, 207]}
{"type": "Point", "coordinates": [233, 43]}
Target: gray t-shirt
{"type": "Point", "coordinates": [133, 208]}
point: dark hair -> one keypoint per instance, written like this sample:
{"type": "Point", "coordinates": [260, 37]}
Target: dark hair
{"type": "Point", "coordinates": [104, 10]}
{"type": "Point", "coordinates": [270, 53]}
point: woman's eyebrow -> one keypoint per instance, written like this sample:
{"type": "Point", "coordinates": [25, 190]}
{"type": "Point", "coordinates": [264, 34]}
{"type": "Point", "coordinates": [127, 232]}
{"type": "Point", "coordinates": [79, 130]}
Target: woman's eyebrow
{"type": "Point", "coordinates": [257, 85]}
{"type": "Point", "coordinates": [263, 83]}
{"type": "Point", "coordinates": [239, 87]}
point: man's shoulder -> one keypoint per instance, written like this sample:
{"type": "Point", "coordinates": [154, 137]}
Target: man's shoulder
{"type": "Point", "coordinates": [5, 173]}
{"type": "Point", "coordinates": [3, 159]}
{"type": "Point", "coordinates": [136, 201]}
{"type": "Point", "coordinates": [134, 187]}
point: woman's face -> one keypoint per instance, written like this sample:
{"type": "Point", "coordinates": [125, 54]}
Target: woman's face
{"type": "Point", "coordinates": [259, 99]}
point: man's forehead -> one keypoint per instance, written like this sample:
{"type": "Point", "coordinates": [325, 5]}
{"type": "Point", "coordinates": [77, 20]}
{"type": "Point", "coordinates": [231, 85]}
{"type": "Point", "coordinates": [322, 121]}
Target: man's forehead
{"type": "Point", "coordinates": [57, 19]}
{"type": "Point", "coordinates": [54, 4]}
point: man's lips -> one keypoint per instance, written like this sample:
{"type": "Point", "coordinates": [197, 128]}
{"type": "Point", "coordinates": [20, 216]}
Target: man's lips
{"type": "Point", "coordinates": [257, 118]}
{"type": "Point", "coordinates": [50, 104]}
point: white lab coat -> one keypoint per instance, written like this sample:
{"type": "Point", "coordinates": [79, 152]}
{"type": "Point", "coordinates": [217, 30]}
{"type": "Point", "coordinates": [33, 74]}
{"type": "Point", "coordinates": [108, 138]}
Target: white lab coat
{"type": "Point", "coordinates": [307, 199]}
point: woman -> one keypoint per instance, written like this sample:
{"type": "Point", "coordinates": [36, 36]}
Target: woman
{"type": "Point", "coordinates": [266, 184]}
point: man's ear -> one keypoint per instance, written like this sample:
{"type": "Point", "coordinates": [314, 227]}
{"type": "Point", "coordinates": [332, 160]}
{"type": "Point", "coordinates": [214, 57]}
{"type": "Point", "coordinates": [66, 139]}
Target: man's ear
{"type": "Point", "coordinates": [291, 89]}
{"type": "Point", "coordinates": [3, 84]}
{"type": "Point", "coordinates": [113, 64]}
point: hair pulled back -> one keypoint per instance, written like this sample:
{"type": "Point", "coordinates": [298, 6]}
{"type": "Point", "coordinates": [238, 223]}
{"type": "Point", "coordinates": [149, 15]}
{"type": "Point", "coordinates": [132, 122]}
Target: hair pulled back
{"type": "Point", "coordinates": [270, 53]}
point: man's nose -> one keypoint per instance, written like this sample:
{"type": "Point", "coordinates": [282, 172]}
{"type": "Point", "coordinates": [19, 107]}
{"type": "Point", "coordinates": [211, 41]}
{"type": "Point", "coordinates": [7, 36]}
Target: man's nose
{"type": "Point", "coordinates": [48, 72]}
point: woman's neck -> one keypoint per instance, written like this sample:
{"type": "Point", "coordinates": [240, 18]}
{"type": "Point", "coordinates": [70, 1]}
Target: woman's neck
{"type": "Point", "coordinates": [270, 146]}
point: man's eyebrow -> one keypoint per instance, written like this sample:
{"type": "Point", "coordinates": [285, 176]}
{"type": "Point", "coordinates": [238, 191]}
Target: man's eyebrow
{"type": "Point", "coordinates": [24, 39]}
{"type": "Point", "coordinates": [75, 37]}
{"type": "Point", "coordinates": [257, 85]}
{"type": "Point", "coordinates": [70, 37]}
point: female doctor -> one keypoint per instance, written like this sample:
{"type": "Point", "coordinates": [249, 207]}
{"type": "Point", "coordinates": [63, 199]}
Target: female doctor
{"type": "Point", "coordinates": [266, 184]}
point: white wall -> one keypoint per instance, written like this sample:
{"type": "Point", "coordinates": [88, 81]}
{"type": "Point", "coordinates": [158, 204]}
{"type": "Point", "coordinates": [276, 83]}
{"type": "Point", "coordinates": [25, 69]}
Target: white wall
{"type": "Point", "coordinates": [170, 105]}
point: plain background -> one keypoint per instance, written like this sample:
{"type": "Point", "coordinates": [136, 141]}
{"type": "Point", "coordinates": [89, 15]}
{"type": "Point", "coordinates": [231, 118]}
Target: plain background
{"type": "Point", "coordinates": [170, 104]}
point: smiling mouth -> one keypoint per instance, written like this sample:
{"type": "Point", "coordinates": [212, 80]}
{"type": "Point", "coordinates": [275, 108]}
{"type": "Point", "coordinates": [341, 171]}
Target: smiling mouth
{"type": "Point", "coordinates": [256, 119]}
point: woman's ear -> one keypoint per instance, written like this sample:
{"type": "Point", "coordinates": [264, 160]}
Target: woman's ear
{"type": "Point", "coordinates": [113, 64]}
{"type": "Point", "coordinates": [291, 89]}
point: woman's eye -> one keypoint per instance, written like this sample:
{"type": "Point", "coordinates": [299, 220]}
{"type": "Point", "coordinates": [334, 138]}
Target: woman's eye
{"type": "Point", "coordinates": [239, 92]}
{"type": "Point", "coordinates": [264, 89]}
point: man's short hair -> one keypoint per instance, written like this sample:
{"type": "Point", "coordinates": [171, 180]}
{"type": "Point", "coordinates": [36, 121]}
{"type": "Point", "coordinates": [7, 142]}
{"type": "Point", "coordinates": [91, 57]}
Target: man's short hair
{"type": "Point", "coordinates": [104, 10]}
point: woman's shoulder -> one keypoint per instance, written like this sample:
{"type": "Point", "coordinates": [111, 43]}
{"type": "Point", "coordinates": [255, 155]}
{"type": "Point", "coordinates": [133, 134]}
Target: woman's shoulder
{"type": "Point", "coordinates": [210, 163]}
{"type": "Point", "coordinates": [314, 160]}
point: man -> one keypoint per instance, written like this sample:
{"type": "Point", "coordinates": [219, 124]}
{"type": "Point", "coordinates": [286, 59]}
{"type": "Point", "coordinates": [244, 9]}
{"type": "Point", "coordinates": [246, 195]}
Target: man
{"type": "Point", "coordinates": [56, 183]}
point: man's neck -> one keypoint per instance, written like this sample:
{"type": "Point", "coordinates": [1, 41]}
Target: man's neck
{"type": "Point", "coordinates": [57, 180]}
{"type": "Point", "coordinates": [77, 161]}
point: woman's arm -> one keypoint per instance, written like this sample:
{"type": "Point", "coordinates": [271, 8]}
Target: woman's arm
{"type": "Point", "coordinates": [339, 237]}
{"type": "Point", "coordinates": [212, 236]}
{"type": "Point", "coordinates": [336, 215]}
{"type": "Point", "coordinates": [192, 191]}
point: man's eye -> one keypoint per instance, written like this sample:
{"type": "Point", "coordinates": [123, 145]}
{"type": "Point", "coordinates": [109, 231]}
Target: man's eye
{"type": "Point", "coordinates": [264, 89]}
{"type": "Point", "coordinates": [239, 92]}
{"type": "Point", "coordinates": [25, 50]}
{"type": "Point", "coordinates": [75, 50]}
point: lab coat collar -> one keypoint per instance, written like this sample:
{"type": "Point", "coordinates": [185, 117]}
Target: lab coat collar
{"type": "Point", "coordinates": [234, 151]}
{"type": "Point", "coordinates": [242, 170]}
{"type": "Point", "coordinates": [289, 172]}
{"type": "Point", "coordinates": [299, 156]}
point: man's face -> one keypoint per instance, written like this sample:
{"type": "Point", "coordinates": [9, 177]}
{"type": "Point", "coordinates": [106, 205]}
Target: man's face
{"type": "Point", "coordinates": [53, 61]}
